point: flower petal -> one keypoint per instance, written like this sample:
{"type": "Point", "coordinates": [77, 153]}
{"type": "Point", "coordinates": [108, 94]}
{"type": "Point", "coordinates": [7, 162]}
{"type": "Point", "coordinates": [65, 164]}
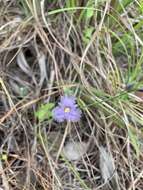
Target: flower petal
{"type": "Point", "coordinates": [58, 114]}
{"type": "Point", "coordinates": [68, 101]}
{"type": "Point", "coordinates": [74, 115]}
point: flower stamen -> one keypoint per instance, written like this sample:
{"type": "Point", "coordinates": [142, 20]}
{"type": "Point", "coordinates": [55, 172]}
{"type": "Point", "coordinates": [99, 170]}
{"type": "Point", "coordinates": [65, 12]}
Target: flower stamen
{"type": "Point", "coordinates": [67, 110]}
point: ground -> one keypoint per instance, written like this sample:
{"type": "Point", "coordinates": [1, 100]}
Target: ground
{"type": "Point", "coordinates": [89, 50]}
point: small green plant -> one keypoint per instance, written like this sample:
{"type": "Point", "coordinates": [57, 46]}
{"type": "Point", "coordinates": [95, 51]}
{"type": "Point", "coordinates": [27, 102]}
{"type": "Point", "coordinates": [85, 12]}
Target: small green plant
{"type": "Point", "coordinates": [44, 111]}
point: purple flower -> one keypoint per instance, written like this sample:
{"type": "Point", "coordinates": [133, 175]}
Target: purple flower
{"type": "Point", "coordinates": [67, 110]}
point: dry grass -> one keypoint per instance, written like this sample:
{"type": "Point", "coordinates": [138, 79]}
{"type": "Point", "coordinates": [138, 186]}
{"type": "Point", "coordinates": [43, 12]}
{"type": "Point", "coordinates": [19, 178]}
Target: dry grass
{"type": "Point", "coordinates": [42, 52]}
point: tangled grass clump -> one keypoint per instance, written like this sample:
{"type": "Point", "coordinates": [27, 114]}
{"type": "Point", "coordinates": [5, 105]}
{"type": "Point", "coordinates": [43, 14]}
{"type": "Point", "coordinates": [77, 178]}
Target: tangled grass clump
{"type": "Point", "coordinates": [92, 50]}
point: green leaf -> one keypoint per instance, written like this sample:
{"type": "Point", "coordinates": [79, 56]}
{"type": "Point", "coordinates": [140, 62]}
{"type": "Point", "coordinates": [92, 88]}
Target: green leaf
{"type": "Point", "coordinates": [90, 9]}
{"type": "Point", "coordinates": [71, 3]}
{"type": "Point", "coordinates": [89, 13]}
{"type": "Point", "coordinates": [140, 3]}
{"type": "Point", "coordinates": [124, 97]}
{"type": "Point", "coordinates": [88, 34]}
{"type": "Point", "coordinates": [45, 111]}
{"type": "Point", "coordinates": [3, 157]}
